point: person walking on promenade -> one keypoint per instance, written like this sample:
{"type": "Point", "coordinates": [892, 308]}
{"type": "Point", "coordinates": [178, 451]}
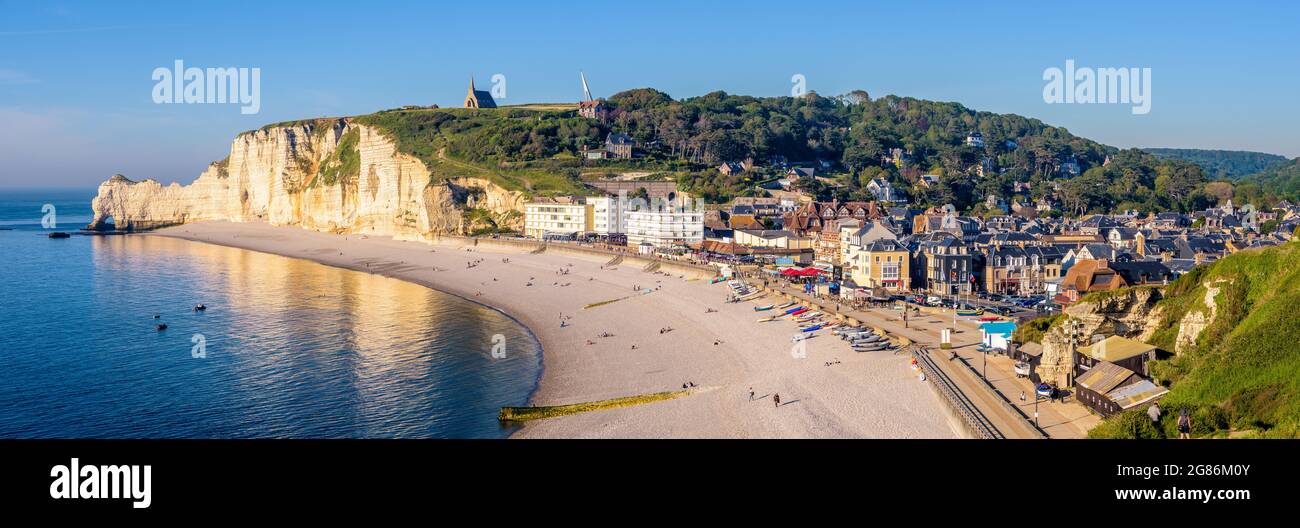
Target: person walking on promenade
{"type": "Point", "coordinates": [776, 400]}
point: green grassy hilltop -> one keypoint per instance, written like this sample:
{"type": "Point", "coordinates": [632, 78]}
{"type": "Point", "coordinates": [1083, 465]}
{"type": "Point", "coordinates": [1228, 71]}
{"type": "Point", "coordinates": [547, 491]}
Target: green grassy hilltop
{"type": "Point", "coordinates": [1243, 373]}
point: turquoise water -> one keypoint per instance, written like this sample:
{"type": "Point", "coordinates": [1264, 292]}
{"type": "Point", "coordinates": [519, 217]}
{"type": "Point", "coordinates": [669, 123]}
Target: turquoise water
{"type": "Point", "coordinates": [293, 349]}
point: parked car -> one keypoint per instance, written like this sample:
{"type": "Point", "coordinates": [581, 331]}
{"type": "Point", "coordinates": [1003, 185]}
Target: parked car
{"type": "Point", "coordinates": [933, 300]}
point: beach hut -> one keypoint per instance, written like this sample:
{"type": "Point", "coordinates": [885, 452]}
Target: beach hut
{"type": "Point", "coordinates": [997, 335]}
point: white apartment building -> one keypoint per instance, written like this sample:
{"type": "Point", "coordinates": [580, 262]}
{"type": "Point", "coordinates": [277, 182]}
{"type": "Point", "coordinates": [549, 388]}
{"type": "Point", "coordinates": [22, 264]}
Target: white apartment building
{"type": "Point", "coordinates": [664, 227]}
{"type": "Point", "coordinates": [557, 216]}
{"type": "Point", "coordinates": [607, 214]}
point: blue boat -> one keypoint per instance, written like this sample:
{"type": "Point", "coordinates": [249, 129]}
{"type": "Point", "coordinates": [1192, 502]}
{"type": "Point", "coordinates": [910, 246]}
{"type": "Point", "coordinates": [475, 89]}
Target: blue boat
{"type": "Point", "coordinates": [763, 308]}
{"type": "Point", "coordinates": [793, 310]}
{"type": "Point", "coordinates": [811, 328]}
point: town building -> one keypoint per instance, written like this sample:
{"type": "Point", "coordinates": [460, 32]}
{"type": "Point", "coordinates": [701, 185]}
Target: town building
{"type": "Point", "coordinates": [620, 145]}
{"type": "Point", "coordinates": [946, 266]}
{"type": "Point", "coordinates": [664, 227]}
{"type": "Point", "coordinates": [607, 214]}
{"type": "Point", "coordinates": [594, 109]}
{"type": "Point", "coordinates": [557, 217]}
{"type": "Point", "coordinates": [881, 263]}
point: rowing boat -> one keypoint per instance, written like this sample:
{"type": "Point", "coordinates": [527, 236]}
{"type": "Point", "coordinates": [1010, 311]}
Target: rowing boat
{"type": "Point", "coordinates": [811, 328]}
{"type": "Point", "coordinates": [786, 305]}
{"type": "Point", "coordinates": [763, 308]}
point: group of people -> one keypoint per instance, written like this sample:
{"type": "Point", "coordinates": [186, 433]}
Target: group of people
{"type": "Point", "coordinates": [1184, 424]}
{"type": "Point", "coordinates": [776, 398]}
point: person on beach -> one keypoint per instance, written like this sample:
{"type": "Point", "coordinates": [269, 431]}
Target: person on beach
{"type": "Point", "coordinates": [776, 400]}
{"type": "Point", "coordinates": [751, 394]}
{"type": "Point", "coordinates": [1184, 424]}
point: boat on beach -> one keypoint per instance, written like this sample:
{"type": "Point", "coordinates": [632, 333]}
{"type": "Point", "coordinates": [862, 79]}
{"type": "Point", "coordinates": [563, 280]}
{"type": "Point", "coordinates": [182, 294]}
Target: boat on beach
{"type": "Point", "coordinates": [784, 306]}
{"type": "Point", "coordinates": [763, 308]}
{"type": "Point", "coordinates": [970, 313]}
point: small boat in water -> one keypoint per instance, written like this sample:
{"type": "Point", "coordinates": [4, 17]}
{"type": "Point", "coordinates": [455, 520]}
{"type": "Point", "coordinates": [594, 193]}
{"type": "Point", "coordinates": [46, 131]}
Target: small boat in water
{"type": "Point", "coordinates": [160, 326]}
{"type": "Point", "coordinates": [764, 308]}
{"type": "Point", "coordinates": [59, 234]}
{"type": "Point", "coordinates": [200, 307]}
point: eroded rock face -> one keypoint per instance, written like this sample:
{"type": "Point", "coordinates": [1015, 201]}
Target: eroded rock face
{"type": "Point", "coordinates": [273, 175]}
{"type": "Point", "coordinates": [1128, 313]}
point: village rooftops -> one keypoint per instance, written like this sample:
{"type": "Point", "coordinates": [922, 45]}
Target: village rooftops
{"type": "Point", "coordinates": [768, 234]}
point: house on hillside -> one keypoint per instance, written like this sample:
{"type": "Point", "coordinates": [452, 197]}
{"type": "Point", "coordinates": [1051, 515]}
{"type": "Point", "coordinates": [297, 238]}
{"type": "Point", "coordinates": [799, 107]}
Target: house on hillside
{"type": "Point", "coordinates": [620, 145]}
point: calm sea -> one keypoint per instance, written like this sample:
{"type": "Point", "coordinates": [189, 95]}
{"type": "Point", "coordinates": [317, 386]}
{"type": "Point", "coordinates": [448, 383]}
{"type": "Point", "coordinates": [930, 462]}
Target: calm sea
{"type": "Point", "coordinates": [293, 349]}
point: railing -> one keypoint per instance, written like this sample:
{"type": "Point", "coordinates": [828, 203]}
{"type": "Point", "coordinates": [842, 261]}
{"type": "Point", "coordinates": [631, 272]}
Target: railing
{"type": "Point", "coordinates": [978, 423]}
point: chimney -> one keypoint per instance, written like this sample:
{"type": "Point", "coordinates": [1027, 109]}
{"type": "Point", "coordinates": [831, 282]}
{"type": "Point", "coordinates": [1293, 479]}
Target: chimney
{"type": "Point", "coordinates": [1103, 264]}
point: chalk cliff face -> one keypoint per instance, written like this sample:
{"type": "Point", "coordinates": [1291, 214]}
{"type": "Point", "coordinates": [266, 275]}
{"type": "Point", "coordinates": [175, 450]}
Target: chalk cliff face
{"type": "Point", "coordinates": [1131, 312]}
{"type": "Point", "coordinates": [326, 175]}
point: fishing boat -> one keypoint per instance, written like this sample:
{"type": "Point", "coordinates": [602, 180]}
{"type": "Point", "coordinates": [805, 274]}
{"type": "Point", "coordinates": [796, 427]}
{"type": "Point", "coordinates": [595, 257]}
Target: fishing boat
{"type": "Point", "coordinates": [990, 318]}
{"type": "Point", "coordinates": [797, 312]}
{"type": "Point", "coordinates": [793, 310]}
{"type": "Point", "coordinates": [870, 348]}
{"type": "Point", "coordinates": [59, 234]}
{"type": "Point", "coordinates": [800, 337]}
{"type": "Point", "coordinates": [784, 306]}
{"type": "Point", "coordinates": [964, 312]}
{"type": "Point", "coordinates": [812, 328]}
{"type": "Point", "coordinates": [763, 308]}
{"type": "Point", "coordinates": [766, 319]}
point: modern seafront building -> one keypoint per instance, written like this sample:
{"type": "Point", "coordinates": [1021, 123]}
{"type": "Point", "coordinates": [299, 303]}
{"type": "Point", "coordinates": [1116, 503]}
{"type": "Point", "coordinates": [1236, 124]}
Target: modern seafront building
{"type": "Point", "coordinates": [562, 216]}
{"type": "Point", "coordinates": [607, 215]}
{"type": "Point", "coordinates": [664, 227]}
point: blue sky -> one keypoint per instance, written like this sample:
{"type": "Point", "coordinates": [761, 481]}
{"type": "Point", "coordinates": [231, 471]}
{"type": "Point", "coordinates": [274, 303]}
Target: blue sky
{"type": "Point", "coordinates": [75, 86]}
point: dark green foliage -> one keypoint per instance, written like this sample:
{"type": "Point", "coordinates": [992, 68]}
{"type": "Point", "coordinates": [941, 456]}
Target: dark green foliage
{"type": "Point", "coordinates": [1222, 164]}
{"type": "Point", "coordinates": [1032, 331]}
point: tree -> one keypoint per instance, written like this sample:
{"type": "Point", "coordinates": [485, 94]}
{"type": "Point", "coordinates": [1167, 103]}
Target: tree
{"type": "Point", "coordinates": [1220, 191]}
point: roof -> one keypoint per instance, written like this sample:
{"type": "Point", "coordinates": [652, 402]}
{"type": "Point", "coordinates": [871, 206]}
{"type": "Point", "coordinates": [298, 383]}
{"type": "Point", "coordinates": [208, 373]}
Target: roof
{"type": "Point", "coordinates": [999, 327]}
{"type": "Point", "coordinates": [1116, 348]}
{"type": "Point", "coordinates": [1130, 396]}
{"type": "Point", "coordinates": [1103, 377]}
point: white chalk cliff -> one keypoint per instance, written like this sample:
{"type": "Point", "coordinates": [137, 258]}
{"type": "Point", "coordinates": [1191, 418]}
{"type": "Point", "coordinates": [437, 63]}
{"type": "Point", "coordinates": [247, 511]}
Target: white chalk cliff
{"type": "Point", "coordinates": [326, 175]}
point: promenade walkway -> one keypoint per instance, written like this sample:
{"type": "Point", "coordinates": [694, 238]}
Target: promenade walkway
{"type": "Point", "coordinates": [998, 398]}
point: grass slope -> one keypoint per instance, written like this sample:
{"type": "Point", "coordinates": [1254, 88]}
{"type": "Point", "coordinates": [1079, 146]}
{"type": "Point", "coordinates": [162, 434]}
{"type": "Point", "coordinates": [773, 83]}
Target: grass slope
{"type": "Point", "coordinates": [1243, 374]}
